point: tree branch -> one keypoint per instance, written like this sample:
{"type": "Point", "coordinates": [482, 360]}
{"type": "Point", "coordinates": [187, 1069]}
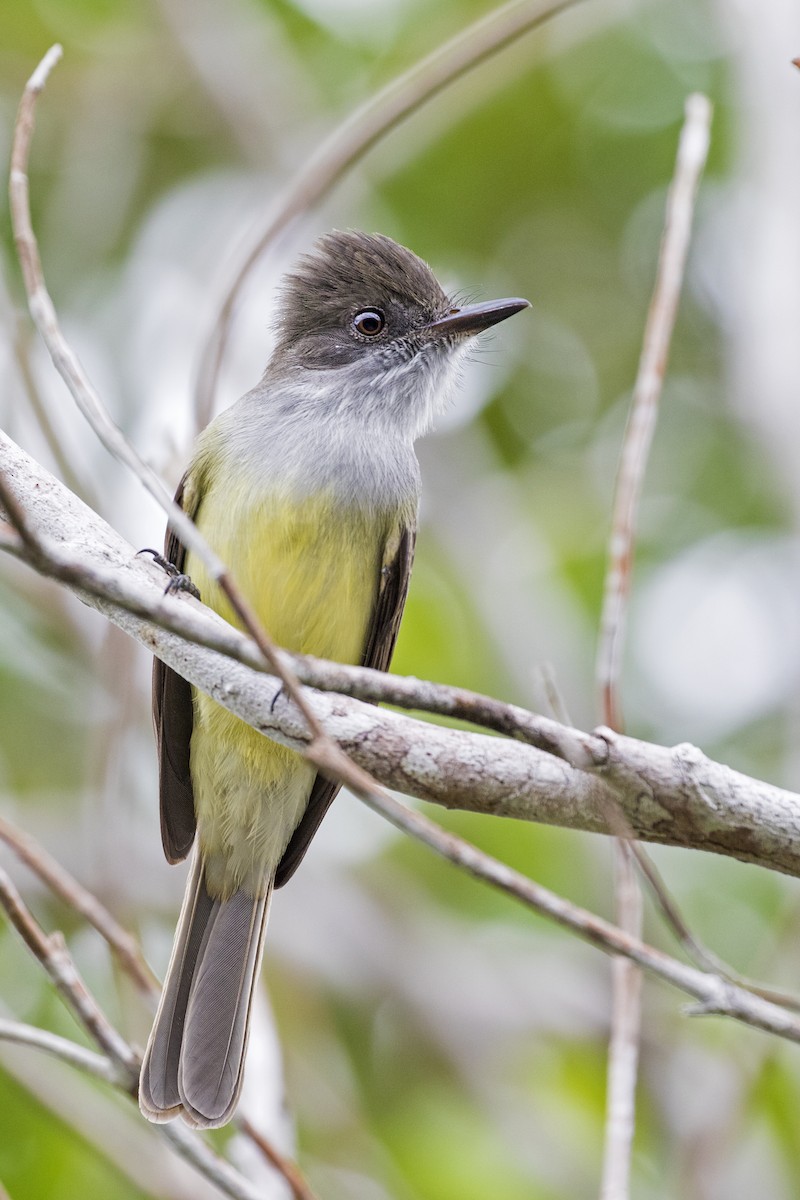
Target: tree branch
{"type": "Point", "coordinates": [671, 796]}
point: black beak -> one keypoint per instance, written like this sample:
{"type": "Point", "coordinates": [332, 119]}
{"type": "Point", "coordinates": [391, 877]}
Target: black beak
{"type": "Point", "coordinates": [465, 322]}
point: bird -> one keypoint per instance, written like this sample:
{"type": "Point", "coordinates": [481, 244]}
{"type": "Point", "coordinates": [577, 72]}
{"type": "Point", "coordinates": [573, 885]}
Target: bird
{"type": "Point", "coordinates": [308, 489]}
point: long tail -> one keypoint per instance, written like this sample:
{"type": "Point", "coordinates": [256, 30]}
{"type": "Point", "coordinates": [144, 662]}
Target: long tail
{"type": "Point", "coordinates": [195, 1056]}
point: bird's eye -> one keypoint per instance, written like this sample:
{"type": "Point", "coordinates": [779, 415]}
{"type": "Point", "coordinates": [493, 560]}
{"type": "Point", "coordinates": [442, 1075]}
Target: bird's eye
{"type": "Point", "coordinates": [369, 323]}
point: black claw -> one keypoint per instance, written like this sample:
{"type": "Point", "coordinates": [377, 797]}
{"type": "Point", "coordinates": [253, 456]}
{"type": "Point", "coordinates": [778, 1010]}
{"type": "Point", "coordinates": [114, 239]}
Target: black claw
{"type": "Point", "coordinates": [178, 582]}
{"type": "Point", "coordinates": [182, 583]}
{"type": "Point", "coordinates": [276, 698]}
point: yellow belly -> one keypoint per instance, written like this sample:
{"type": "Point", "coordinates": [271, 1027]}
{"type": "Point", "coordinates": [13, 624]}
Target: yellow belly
{"type": "Point", "coordinates": [311, 575]}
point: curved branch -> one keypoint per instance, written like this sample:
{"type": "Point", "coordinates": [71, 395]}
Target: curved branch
{"type": "Point", "coordinates": [98, 1065]}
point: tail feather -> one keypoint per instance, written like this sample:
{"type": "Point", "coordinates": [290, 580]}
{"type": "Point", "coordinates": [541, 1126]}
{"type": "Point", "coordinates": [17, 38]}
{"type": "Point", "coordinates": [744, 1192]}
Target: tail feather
{"type": "Point", "coordinates": [195, 1057]}
{"type": "Point", "coordinates": [218, 1013]}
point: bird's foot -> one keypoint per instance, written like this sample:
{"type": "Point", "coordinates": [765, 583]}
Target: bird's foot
{"type": "Point", "coordinates": [178, 581]}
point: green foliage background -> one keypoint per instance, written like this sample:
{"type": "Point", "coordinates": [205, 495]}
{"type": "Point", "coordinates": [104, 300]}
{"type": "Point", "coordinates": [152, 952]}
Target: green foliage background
{"type": "Point", "coordinates": [438, 1043]}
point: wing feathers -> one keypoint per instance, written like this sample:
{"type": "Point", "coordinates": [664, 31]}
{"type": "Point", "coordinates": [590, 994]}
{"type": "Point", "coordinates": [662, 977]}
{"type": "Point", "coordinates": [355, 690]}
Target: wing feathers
{"type": "Point", "coordinates": [173, 719]}
{"type": "Point", "coordinates": [382, 633]}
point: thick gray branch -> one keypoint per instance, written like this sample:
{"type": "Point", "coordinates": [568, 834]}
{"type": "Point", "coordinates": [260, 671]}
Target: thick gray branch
{"type": "Point", "coordinates": [673, 796]}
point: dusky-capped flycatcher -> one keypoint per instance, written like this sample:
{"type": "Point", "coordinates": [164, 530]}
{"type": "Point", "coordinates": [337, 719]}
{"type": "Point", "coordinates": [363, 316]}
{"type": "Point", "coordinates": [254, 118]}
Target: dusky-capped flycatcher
{"type": "Point", "coordinates": [307, 488]}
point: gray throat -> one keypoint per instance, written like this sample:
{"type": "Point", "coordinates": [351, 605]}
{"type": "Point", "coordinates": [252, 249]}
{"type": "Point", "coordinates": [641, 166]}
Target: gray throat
{"type": "Point", "coordinates": [295, 438]}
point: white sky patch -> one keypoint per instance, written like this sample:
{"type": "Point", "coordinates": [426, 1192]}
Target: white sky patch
{"type": "Point", "coordinates": [359, 20]}
{"type": "Point", "coordinates": [716, 632]}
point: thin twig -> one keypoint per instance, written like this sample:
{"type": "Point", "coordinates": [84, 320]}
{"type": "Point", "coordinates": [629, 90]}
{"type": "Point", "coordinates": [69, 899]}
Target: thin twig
{"type": "Point", "coordinates": [98, 1065]}
{"type": "Point", "coordinates": [20, 343]}
{"type": "Point", "coordinates": [275, 663]}
{"type": "Point", "coordinates": [194, 1150]}
{"type": "Point", "coordinates": [52, 953]}
{"type": "Point", "coordinates": [46, 321]}
{"type": "Point", "coordinates": [626, 1018]}
{"type": "Point", "coordinates": [128, 951]}
{"type": "Point", "coordinates": [623, 1051]}
{"type": "Point", "coordinates": [64, 885]}
{"type": "Point", "coordinates": [623, 1047]}
{"type": "Point", "coordinates": [289, 1169]}
{"type": "Point", "coordinates": [692, 152]}
{"type": "Point", "coordinates": [351, 140]}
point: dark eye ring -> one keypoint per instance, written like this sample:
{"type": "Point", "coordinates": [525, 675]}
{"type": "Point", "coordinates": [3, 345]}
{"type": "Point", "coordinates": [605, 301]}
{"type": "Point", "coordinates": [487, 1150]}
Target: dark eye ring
{"type": "Point", "coordinates": [369, 323]}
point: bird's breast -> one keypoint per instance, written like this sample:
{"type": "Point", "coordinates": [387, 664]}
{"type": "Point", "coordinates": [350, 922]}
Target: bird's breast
{"type": "Point", "coordinates": [309, 565]}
